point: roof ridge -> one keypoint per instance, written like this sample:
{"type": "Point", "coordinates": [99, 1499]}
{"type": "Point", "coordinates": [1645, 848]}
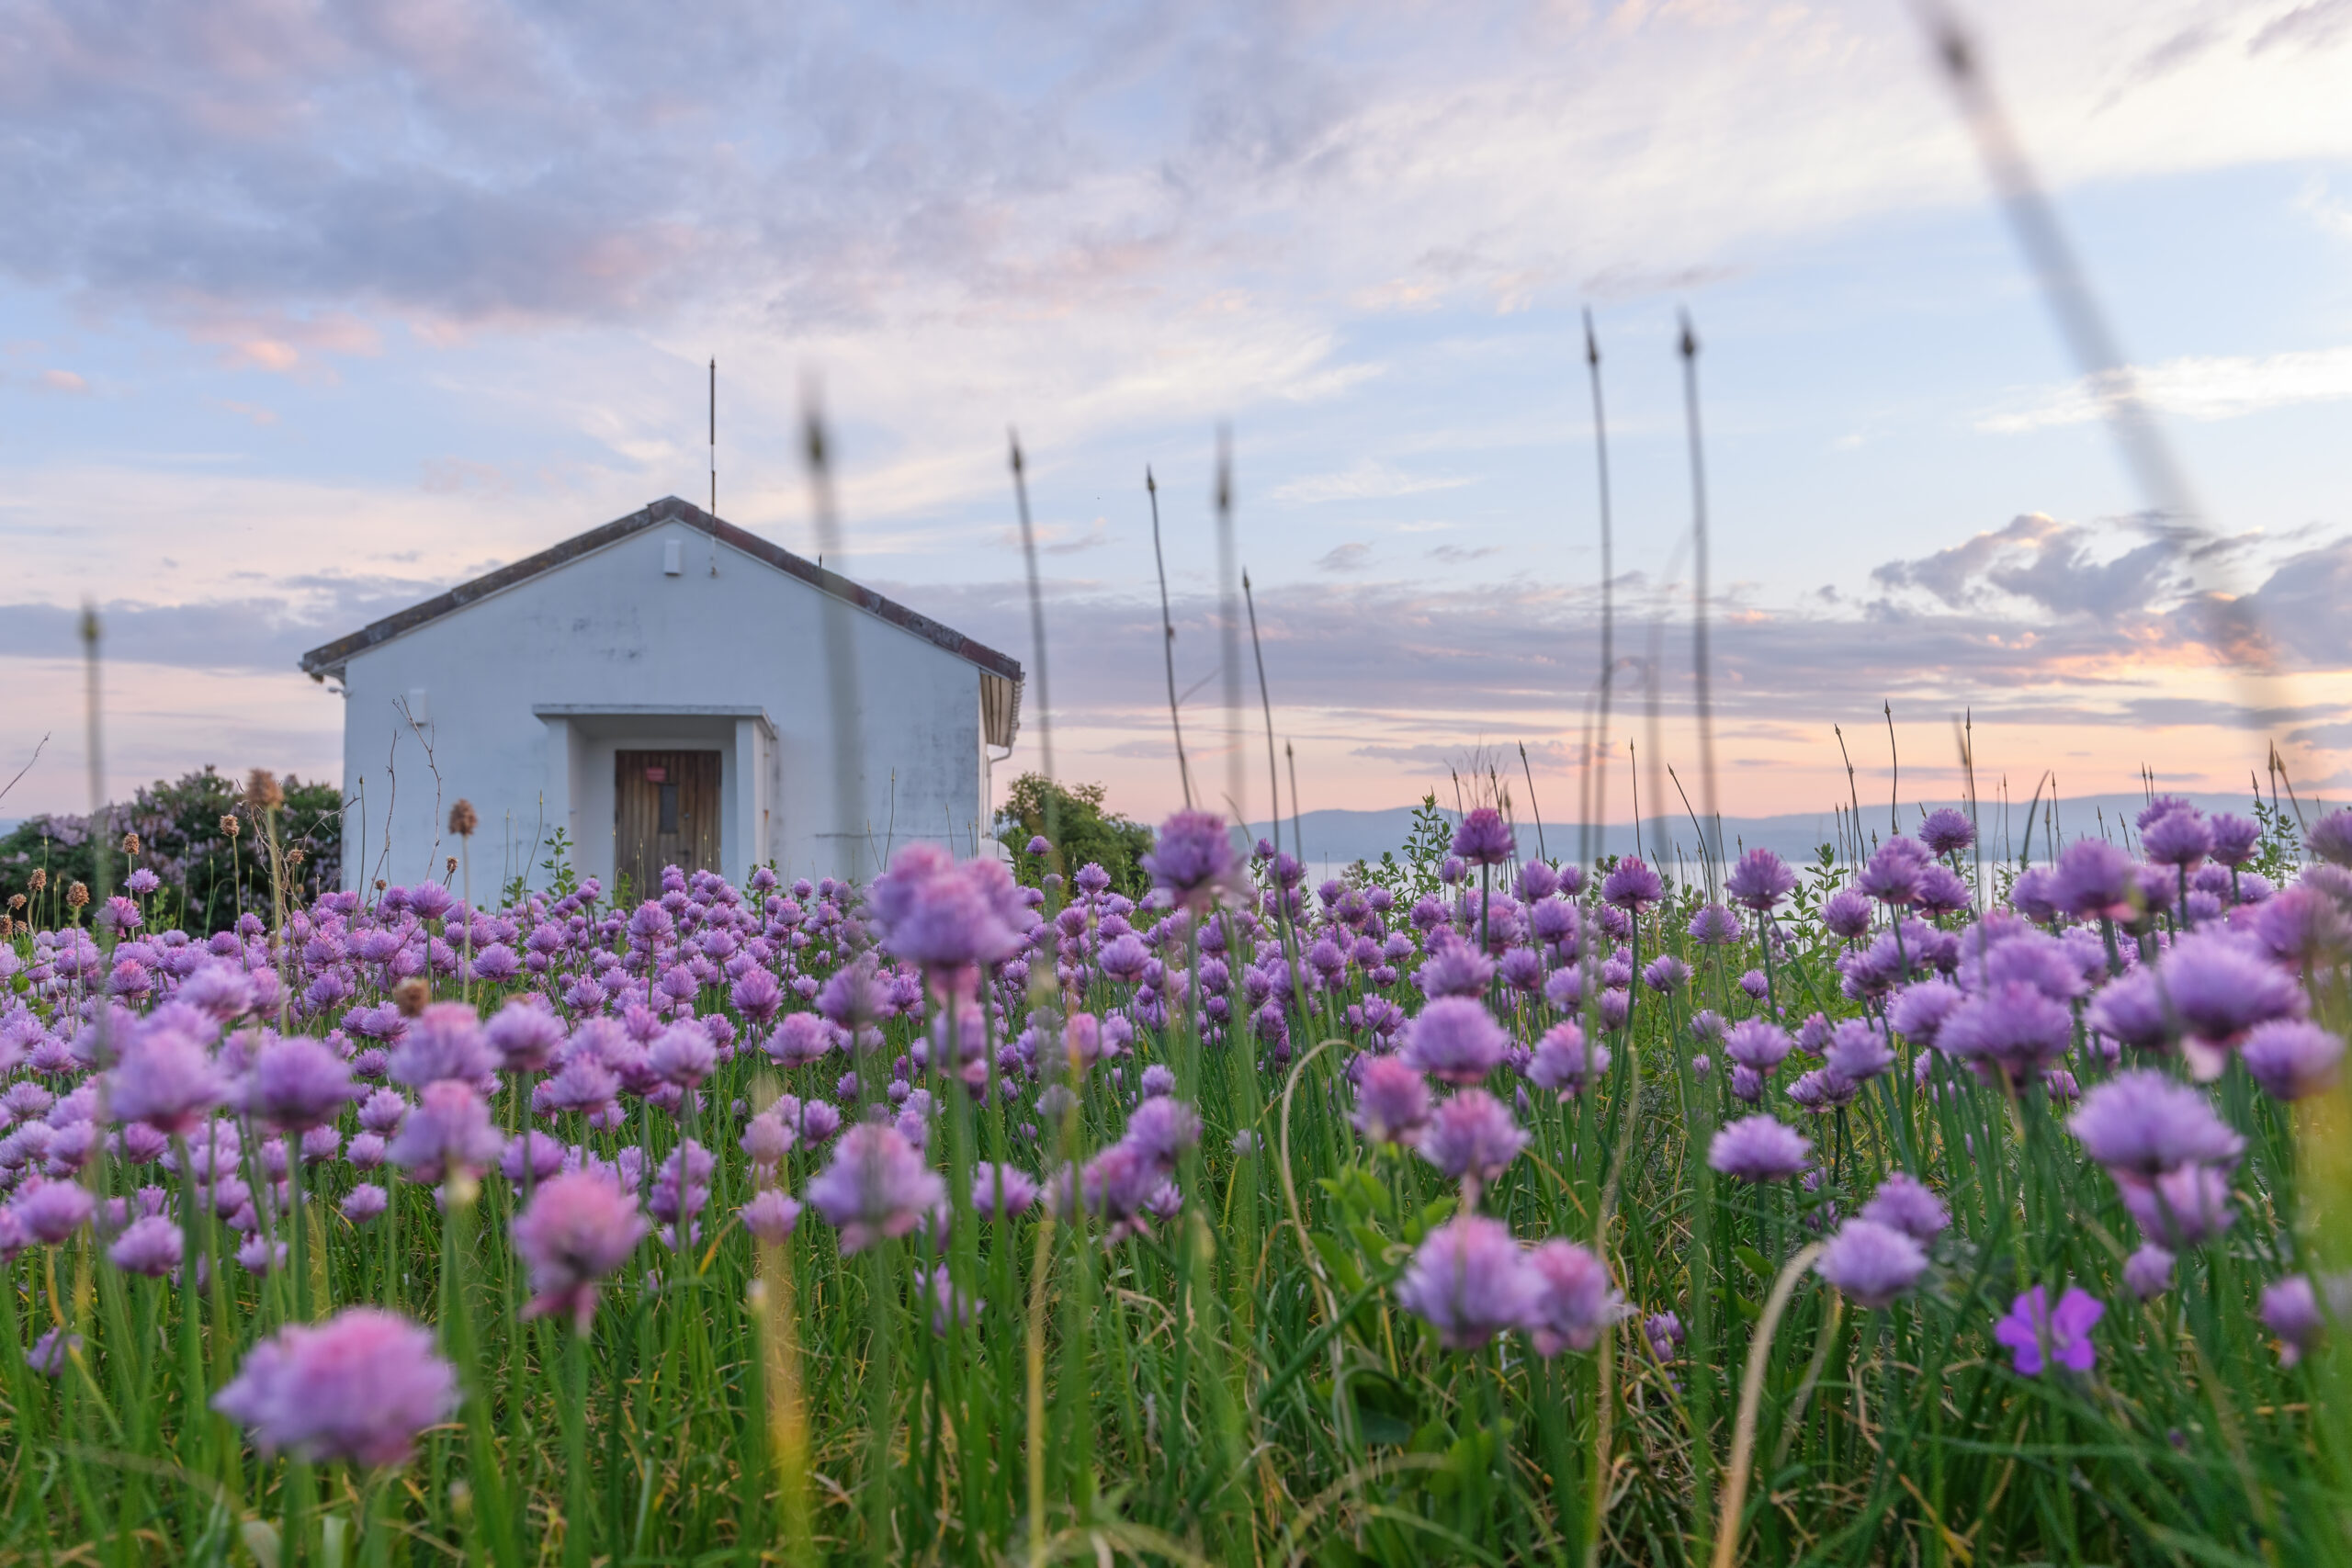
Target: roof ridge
{"type": "Point", "coordinates": [329, 658]}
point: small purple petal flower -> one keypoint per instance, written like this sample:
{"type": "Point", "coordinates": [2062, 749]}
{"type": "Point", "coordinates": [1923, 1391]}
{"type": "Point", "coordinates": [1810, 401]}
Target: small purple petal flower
{"type": "Point", "coordinates": [2290, 1309]}
{"type": "Point", "coordinates": [1469, 1281]}
{"type": "Point", "coordinates": [52, 1211]}
{"type": "Point", "coordinates": [2036, 1334]}
{"type": "Point", "coordinates": [2012, 1026]}
{"type": "Point", "coordinates": [1758, 1044]}
{"type": "Point", "coordinates": [524, 1034]}
{"type": "Point", "coordinates": [1759, 1148]}
{"type": "Point", "coordinates": [579, 1226]}
{"type": "Point", "coordinates": [2181, 838]}
{"type": "Point", "coordinates": [1846, 913]}
{"type": "Point", "coordinates": [445, 1043]}
{"type": "Point", "coordinates": [2181, 1208]}
{"type": "Point", "coordinates": [2094, 879]}
{"type": "Point", "coordinates": [359, 1387]}
{"type": "Point", "coordinates": [2331, 838]}
{"type": "Point", "coordinates": [365, 1202]}
{"type": "Point", "coordinates": [1564, 1062]}
{"type": "Point", "coordinates": [1871, 1263]}
{"type": "Point", "coordinates": [166, 1079]}
{"type": "Point", "coordinates": [2234, 839]}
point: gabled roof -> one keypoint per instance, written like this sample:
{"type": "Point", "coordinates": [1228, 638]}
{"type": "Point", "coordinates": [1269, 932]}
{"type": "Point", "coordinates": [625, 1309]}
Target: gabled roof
{"type": "Point", "coordinates": [329, 660]}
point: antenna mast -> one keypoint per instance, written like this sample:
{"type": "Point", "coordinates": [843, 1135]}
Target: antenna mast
{"type": "Point", "coordinates": [714, 466]}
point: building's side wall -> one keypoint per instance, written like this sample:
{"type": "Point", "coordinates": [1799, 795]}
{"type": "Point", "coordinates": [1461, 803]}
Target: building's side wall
{"type": "Point", "coordinates": [609, 633]}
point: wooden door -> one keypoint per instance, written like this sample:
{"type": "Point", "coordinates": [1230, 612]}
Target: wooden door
{"type": "Point", "coordinates": [665, 812]}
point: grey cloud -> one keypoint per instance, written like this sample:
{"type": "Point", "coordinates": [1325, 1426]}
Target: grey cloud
{"type": "Point", "coordinates": [1350, 556]}
{"type": "Point", "coordinates": [265, 632]}
{"type": "Point", "coordinates": [2048, 563]}
{"type": "Point", "coordinates": [2314, 26]}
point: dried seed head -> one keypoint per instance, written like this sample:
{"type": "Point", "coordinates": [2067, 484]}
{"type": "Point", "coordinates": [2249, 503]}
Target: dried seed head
{"type": "Point", "coordinates": [263, 792]}
{"type": "Point", "coordinates": [130, 843]}
{"type": "Point", "coordinates": [230, 826]}
{"type": "Point", "coordinates": [39, 880]}
{"type": "Point", "coordinates": [380, 884]}
{"type": "Point", "coordinates": [463, 820]}
{"type": "Point", "coordinates": [450, 866]}
{"type": "Point", "coordinates": [295, 856]}
{"type": "Point", "coordinates": [76, 896]}
{"type": "Point", "coordinates": [411, 996]}
{"type": "Point", "coordinates": [16, 901]}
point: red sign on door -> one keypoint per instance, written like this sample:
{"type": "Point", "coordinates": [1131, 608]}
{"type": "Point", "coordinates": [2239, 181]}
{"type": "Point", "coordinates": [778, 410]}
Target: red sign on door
{"type": "Point", "coordinates": [657, 775]}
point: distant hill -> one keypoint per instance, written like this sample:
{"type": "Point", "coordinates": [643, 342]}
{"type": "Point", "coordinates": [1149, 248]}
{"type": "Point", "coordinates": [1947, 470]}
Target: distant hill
{"type": "Point", "coordinates": [1336, 838]}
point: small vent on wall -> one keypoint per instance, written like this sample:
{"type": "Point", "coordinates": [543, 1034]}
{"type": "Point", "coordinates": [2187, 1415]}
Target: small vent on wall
{"type": "Point", "coordinates": [674, 556]}
{"type": "Point", "coordinates": [420, 713]}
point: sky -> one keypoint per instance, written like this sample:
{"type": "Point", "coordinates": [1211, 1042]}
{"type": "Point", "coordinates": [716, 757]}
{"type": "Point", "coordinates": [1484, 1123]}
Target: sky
{"type": "Point", "coordinates": [309, 311]}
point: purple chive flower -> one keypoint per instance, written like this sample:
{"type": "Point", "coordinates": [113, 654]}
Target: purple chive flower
{"type": "Point", "coordinates": [2011, 1026]}
{"type": "Point", "coordinates": [1666, 973]}
{"type": "Point", "coordinates": [1759, 1148]}
{"type": "Point", "coordinates": [149, 1246]}
{"type": "Point", "coordinates": [1469, 1281]}
{"type": "Point", "coordinates": [1714, 926]}
{"type": "Point", "coordinates": [1891, 875]}
{"type": "Point", "coordinates": [2095, 881]}
{"type": "Point", "coordinates": [1573, 1302]}
{"type": "Point", "coordinates": [770, 1216]}
{"type": "Point", "coordinates": [2147, 1273]}
{"type": "Point", "coordinates": [448, 1131]}
{"type": "Point", "coordinates": [2181, 1208]}
{"type": "Point", "coordinates": [2234, 839]}
{"type": "Point", "coordinates": [1000, 1192]}
{"type": "Point", "coordinates": [2143, 1124]}
{"type": "Point", "coordinates": [946, 917]}
{"type": "Point", "coordinates": [2292, 1059]}
{"type": "Point", "coordinates": [1759, 881]}
{"type": "Point", "coordinates": [1632, 886]}
{"type": "Point", "coordinates": [51, 1351]}
{"type": "Point", "coordinates": [1757, 1044]}
{"type": "Point", "coordinates": [876, 1186]}
{"type": "Point", "coordinates": [1857, 1053]}
{"type": "Point", "coordinates": [1484, 838]}
{"type": "Point", "coordinates": [444, 1042]}
{"type": "Point", "coordinates": [1156, 1080]}
{"type": "Point", "coordinates": [2290, 1309]}
{"type": "Point", "coordinates": [1846, 913]}
{"type": "Point", "coordinates": [1456, 1040]}
{"type": "Point", "coordinates": [683, 1055]}
{"type": "Point", "coordinates": [166, 1079]}
{"type": "Point", "coordinates": [1871, 1263]}
{"type": "Point", "coordinates": [579, 1226]}
{"type": "Point", "coordinates": [1902, 1202]}
{"type": "Point", "coordinates": [2182, 838]}
{"type": "Point", "coordinates": [2036, 1334]}
{"type": "Point", "coordinates": [360, 1387]}
{"type": "Point", "coordinates": [524, 1034]}
{"type": "Point", "coordinates": [52, 1211]}
{"type": "Point", "coordinates": [1161, 1130]}
{"type": "Point", "coordinates": [1917, 1010]}
{"type": "Point", "coordinates": [298, 1083]}
{"type": "Point", "coordinates": [1472, 1137]}
{"type": "Point", "coordinates": [2331, 838]}
{"type": "Point", "coordinates": [1947, 832]}
{"type": "Point", "coordinates": [1454, 968]}
{"type": "Point", "coordinates": [1194, 858]}
{"type": "Point", "coordinates": [365, 1202]}
{"type": "Point", "coordinates": [1392, 1101]}
{"type": "Point", "coordinates": [1565, 1061]}
{"type": "Point", "coordinates": [1940, 892]}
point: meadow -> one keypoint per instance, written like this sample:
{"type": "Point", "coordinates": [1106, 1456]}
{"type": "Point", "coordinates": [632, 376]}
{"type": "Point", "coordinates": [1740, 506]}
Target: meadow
{"type": "Point", "coordinates": [1905, 1206]}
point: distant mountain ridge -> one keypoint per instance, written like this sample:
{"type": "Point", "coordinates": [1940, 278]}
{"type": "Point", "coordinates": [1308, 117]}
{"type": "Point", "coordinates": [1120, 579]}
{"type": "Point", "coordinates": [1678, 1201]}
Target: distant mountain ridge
{"type": "Point", "coordinates": [1335, 839]}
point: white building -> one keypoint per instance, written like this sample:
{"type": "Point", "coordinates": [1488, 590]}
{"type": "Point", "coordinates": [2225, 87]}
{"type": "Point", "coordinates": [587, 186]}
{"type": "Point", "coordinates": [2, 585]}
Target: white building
{"type": "Point", "coordinates": [657, 688]}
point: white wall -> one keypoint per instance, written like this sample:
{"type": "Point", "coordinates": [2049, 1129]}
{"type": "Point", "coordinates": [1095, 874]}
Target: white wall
{"type": "Point", "coordinates": [525, 696]}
